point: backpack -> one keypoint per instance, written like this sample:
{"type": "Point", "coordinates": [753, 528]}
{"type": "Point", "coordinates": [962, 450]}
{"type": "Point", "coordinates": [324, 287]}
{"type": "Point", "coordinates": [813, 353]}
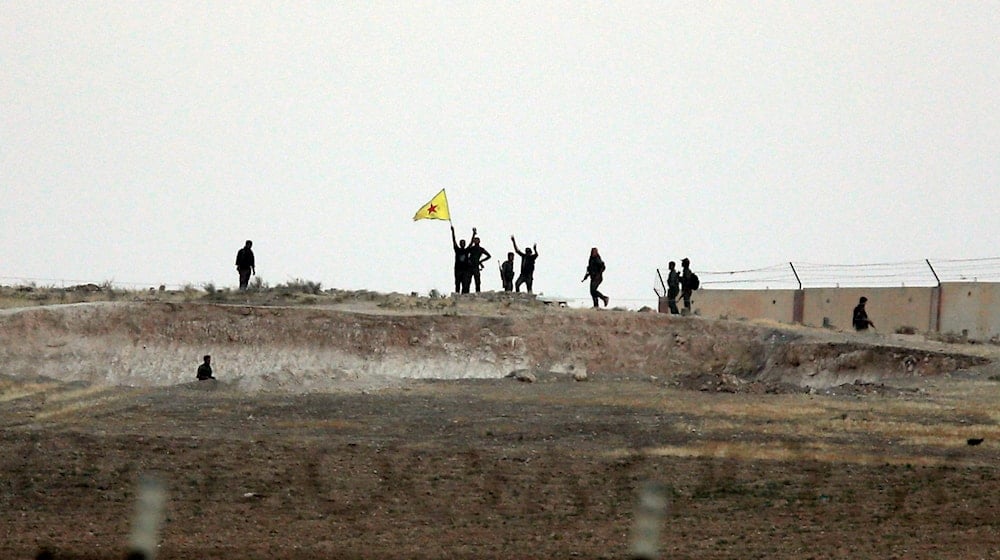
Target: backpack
{"type": "Point", "coordinates": [694, 282]}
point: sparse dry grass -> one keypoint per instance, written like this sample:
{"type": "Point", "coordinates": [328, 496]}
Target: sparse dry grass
{"type": "Point", "coordinates": [73, 402]}
{"type": "Point", "coordinates": [15, 392]}
{"type": "Point", "coordinates": [749, 475]}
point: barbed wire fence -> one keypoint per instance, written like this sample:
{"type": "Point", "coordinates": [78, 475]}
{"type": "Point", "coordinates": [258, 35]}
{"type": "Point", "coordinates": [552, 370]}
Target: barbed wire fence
{"type": "Point", "coordinates": [798, 275]}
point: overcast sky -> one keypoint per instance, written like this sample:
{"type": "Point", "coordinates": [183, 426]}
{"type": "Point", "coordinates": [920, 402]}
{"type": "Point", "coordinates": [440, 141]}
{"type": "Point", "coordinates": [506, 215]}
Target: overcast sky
{"type": "Point", "coordinates": [143, 142]}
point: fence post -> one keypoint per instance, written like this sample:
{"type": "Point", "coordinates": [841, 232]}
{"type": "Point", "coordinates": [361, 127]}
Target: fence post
{"type": "Point", "coordinates": [796, 274]}
{"type": "Point", "coordinates": [149, 515]}
{"type": "Point", "coordinates": [661, 282]}
{"type": "Point", "coordinates": [649, 516]}
{"type": "Point", "coordinates": [936, 327]}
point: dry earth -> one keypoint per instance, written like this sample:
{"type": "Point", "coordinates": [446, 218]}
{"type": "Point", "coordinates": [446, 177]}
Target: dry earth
{"type": "Point", "coordinates": [388, 427]}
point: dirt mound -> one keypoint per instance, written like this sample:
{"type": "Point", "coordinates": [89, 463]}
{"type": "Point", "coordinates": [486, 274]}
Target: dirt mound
{"type": "Point", "coordinates": [305, 349]}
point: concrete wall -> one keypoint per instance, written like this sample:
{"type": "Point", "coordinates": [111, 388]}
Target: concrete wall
{"type": "Point", "coordinates": [741, 304]}
{"type": "Point", "coordinates": [888, 308]}
{"type": "Point", "coordinates": [972, 308]}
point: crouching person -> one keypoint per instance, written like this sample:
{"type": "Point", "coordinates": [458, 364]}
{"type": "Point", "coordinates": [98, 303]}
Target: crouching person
{"type": "Point", "coordinates": [205, 369]}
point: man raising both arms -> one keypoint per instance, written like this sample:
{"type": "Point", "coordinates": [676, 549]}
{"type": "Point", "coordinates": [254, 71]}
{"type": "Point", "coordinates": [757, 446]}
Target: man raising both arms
{"type": "Point", "coordinates": [528, 258]}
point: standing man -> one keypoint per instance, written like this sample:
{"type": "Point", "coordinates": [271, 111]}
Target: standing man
{"type": "Point", "coordinates": [245, 264]}
{"type": "Point", "coordinates": [595, 271]}
{"type": "Point", "coordinates": [463, 274]}
{"type": "Point", "coordinates": [507, 273]}
{"type": "Point", "coordinates": [689, 283]}
{"type": "Point", "coordinates": [673, 288]}
{"type": "Point", "coordinates": [476, 260]}
{"type": "Point", "coordinates": [528, 259]}
{"type": "Point", "coordinates": [860, 319]}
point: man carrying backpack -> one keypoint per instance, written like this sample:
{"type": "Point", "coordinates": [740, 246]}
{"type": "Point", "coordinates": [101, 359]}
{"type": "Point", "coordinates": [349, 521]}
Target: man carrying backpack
{"type": "Point", "coordinates": [689, 283]}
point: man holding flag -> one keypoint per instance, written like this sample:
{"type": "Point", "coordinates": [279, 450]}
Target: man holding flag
{"type": "Point", "coordinates": [437, 209]}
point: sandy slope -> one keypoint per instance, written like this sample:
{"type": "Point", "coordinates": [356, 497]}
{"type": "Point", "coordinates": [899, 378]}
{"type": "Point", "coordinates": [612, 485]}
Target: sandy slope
{"type": "Point", "coordinates": [361, 345]}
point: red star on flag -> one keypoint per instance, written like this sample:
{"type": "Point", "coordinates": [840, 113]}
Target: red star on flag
{"type": "Point", "coordinates": [436, 209]}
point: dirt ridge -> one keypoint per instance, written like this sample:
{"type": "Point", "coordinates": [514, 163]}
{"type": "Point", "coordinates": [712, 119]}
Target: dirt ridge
{"type": "Point", "coordinates": [327, 349]}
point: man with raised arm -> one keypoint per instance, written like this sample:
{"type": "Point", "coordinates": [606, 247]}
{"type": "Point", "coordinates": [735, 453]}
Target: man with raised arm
{"type": "Point", "coordinates": [463, 272]}
{"type": "Point", "coordinates": [476, 260]}
{"type": "Point", "coordinates": [528, 259]}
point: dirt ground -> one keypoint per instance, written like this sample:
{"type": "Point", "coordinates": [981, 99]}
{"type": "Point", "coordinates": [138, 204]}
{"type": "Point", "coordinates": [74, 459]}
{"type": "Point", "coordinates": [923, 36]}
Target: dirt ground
{"type": "Point", "coordinates": [487, 427]}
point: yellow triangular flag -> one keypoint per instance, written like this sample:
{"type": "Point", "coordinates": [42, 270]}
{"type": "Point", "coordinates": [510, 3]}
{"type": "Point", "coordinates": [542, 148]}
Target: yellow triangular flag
{"type": "Point", "coordinates": [436, 209]}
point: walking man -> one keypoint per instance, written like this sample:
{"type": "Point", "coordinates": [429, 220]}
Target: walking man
{"type": "Point", "coordinates": [860, 320]}
{"type": "Point", "coordinates": [673, 288]}
{"type": "Point", "coordinates": [476, 260]}
{"type": "Point", "coordinates": [595, 271]}
{"type": "Point", "coordinates": [245, 264]}
{"type": "Point", "coordinates": [528, 259]}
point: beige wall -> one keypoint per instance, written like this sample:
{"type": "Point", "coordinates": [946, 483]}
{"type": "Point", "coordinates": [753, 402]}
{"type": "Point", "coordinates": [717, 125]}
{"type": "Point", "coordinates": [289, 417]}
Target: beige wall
{"type": "Point", "coordinates": [888, 308]}
{"type": "Point", "coordinates": [969, 307]}
{"type": "Point", "coordinates": [741, 304]}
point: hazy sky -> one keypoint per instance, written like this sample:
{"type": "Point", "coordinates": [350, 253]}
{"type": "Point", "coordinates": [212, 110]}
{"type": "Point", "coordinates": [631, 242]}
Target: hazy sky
{"type": "Point", "coordinates": [143, 142]}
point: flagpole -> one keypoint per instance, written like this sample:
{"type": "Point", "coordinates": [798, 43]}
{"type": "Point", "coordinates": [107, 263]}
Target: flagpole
{"type": "Point", "coordinates": [445, 193]}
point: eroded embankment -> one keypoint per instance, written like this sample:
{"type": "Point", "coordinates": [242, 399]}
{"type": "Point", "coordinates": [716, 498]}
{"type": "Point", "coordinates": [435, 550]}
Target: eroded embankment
{"type": "Point", "coordinates": [317, 349]}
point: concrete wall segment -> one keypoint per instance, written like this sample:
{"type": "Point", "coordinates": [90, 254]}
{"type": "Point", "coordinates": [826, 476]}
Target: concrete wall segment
{"type": "Point", "coordinates": [970, 308]}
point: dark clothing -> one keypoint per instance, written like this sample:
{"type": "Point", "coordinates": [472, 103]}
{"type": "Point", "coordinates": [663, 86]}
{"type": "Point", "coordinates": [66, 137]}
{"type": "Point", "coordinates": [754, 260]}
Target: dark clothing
{"type": "Point", "coordinates": [507, 275]}
{"type": "Point", "coordinates": [465, 281]}
{"type": "Point", "coordinates": [528, 264]}
{"type": "Point", "coordinates": [860, 319]}
{"type": "Point", "coordinates": [686, 289]}
{"type": "Point", "coordinates": [245, 265]}
{"type": "Point", "coordinates": [244, 278]}
{"type": "Point", "coordinates": [673, 289]}
{"type": "Point", "coordinates": [595, 270]}
{"type": "Point", "coordinates": [526, 280]}
{"type": "Point", "coordinates": [204, 372]}
{"type": "Point", "coordinates": [244, 259]}
{"type": "Point", "coordinates": [476, 259]}
{"type": "Point", "coordinates": [463, 271]}
{"type": "Point", "coordinates": [527, 271]}
{"type": "Point", "coordinates": [596, 295]}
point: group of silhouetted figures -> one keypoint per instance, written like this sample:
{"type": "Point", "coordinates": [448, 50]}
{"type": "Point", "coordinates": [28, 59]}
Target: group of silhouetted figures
{"type": "Point", "coordinates": [469, 265]}
{"type": "Point", "coordinates": [682, 284]}
{"type": "Point", "coordinates": [469, 261]}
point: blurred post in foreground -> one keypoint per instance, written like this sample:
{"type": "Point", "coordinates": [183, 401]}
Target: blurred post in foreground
{"type": "Point", "coordinates": [149, 515]}
{"type": "Point", "coordinates": [649, 515]}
